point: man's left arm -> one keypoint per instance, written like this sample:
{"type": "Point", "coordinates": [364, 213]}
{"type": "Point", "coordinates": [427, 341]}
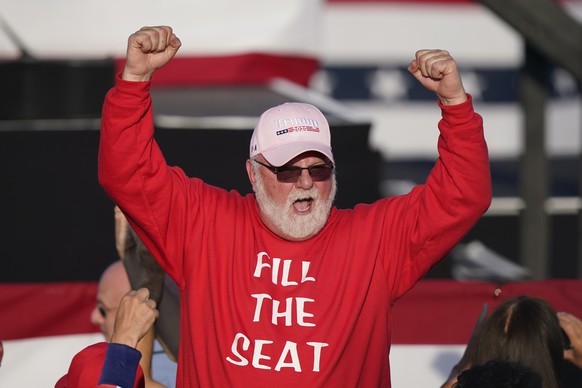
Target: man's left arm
{"type": "Point", "coordinates": [458, 190]}
{"type": "Point", "coordinates": [434, 217]}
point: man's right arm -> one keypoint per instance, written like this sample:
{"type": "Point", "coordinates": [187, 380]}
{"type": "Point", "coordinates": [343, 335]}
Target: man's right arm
{"type": "Point", "coordinates": [132, 169]}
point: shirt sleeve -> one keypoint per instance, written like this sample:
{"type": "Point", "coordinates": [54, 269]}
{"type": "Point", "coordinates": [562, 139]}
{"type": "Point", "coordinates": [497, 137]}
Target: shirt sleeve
{"type": "Point", "coordinates": [153, 196]}
{"type": "Point", "coordinates": [120, 366]}
{"type": "Point", "coordinates": [436, 215]}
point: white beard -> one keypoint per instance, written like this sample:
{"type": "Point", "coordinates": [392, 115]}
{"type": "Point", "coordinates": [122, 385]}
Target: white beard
{"type": "Point", "coordinates": [294, 225]}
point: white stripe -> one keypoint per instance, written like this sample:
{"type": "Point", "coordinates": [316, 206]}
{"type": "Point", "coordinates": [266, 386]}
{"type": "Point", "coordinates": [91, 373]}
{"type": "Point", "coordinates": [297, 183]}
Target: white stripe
{"type": "Point", "coordinates": [414, 366]}
{"type": "Point", "coordinates": [80, 28]}
{"type": "Point", "coordinates": [40, 362]}
{"type": "Point", "coordinates": [405, 130]}
{"type": "Point", "coordinates": [390, 33]}
{"type": "Point", "coordinates": [337, 32]}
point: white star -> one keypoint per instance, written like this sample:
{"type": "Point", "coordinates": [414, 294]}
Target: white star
{"type": "Point", "coordinates": [322, 82]}
{"type": "Point", "coordinates": [474, 84]}
{"type": "Point", "coordinates": [388, 85]}
{"type": "Point", "coordinates": [564, 83]}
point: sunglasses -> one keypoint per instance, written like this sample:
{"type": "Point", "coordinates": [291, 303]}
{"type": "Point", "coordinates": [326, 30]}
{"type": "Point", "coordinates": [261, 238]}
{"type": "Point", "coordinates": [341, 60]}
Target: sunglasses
{"type": "Point", "coordinates": [290, 174]}
{"type": "Point", "coordinates": [102, 310]}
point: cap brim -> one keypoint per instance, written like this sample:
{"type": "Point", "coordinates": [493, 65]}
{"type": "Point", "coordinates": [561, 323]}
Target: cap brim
{"type": "Point", "coordinates": [283, 154]}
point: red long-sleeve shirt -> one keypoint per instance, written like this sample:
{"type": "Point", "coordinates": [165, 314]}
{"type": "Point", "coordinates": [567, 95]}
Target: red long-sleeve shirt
{"type": "Point", "coordinates": [260, 311]}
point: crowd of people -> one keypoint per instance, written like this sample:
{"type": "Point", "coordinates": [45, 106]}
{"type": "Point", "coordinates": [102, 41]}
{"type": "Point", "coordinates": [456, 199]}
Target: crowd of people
{"type": "Point", "coordinates": [281, 288]}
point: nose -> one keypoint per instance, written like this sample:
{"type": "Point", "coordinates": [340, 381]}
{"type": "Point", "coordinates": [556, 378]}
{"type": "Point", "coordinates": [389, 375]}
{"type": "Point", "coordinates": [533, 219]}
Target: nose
{"type": "Point", "coordinates": [304, 182]}
{"type": "Point", "coordinates": [96, 317]}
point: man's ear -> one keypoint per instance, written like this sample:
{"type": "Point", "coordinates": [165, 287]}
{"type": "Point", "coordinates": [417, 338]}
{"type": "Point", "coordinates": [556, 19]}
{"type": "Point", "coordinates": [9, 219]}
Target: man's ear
{"type": "Point", "coordinates": [251, 174]}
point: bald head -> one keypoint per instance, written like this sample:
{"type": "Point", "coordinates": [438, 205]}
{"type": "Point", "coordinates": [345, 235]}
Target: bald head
{"type": "Point", "coordinates": [114, 280]}
{"type": "Point", "coordinates": [113, 284]}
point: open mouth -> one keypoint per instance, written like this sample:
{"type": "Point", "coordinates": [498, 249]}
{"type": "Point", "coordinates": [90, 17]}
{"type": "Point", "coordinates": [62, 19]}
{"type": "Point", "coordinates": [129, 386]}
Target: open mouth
{"type": "Point", "coordinates": [303, 205]}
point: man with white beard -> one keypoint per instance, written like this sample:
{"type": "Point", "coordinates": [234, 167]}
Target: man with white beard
{"type": "Point", "coordinates": [280, 288]}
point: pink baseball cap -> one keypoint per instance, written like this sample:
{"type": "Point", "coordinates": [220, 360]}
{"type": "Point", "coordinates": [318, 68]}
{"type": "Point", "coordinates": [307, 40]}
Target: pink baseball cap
{"type": "Point", "coordinates": [289, 129]}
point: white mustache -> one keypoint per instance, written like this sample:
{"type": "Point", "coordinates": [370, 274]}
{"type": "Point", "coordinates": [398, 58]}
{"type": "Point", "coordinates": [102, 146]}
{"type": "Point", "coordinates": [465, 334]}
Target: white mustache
{"type": "Point", "coordinates": [300, 194]}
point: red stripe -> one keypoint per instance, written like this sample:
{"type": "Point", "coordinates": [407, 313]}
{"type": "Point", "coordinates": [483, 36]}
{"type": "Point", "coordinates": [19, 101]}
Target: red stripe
{"type": "Point", "coordinates": [445, 311]}
{"type": "Point", "coordinates": [46, 309]}
{"type": "Point", "coordinates": [253, 69]}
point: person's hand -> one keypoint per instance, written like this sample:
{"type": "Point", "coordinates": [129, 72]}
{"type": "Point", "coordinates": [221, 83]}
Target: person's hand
{"type": "Point", "coordinates": [437, 71]}
{"type": "Point", "coordinates": [135, 317]}
{"type": "Point", "coordinates": [573, 328]}
{"type": "Point", "coordinates": [149, 49]}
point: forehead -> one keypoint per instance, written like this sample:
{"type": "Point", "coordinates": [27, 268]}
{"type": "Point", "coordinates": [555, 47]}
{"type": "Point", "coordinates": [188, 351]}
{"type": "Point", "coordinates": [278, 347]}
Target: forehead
{"type": "Point", "coordinates": [110, 292]}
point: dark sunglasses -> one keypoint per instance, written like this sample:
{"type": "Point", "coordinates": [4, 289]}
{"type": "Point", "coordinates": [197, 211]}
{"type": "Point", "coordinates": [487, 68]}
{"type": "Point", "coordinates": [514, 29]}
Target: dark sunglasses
{"type": "Point", "coordinates": [102, 310]}
{"type": "Point", "coordinates": [290, 174]}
